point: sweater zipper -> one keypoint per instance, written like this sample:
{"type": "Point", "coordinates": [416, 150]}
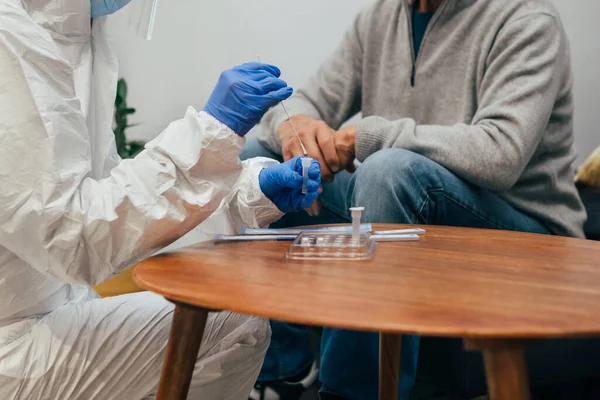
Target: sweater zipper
{"type": "Point", "coordinates": [415, 60]}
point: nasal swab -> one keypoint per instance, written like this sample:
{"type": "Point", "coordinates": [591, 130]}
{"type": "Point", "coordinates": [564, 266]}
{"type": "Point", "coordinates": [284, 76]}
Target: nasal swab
{"type": "Point", "coordinates": [295, 130]}
{"type": "Point", "coordinates": [290, 121]}
{"type": "Point", "coordinates": [306, 163]}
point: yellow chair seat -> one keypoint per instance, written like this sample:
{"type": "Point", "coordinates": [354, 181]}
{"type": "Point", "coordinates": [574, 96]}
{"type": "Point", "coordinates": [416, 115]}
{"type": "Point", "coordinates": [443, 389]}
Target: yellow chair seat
{"type": "Point", "coordinates": [120, 284]}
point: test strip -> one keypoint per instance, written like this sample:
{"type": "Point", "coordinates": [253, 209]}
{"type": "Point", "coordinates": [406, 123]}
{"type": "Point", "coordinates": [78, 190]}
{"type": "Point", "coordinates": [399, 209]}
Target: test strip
{"type": "Point", "coordinates": [395, 238]}
{"type": "Point", "coordinates": [364, 228]}
{"type": "Point", "coordinates": [417, 231]}
{"type": "Point", "coordinates": [253, 238]}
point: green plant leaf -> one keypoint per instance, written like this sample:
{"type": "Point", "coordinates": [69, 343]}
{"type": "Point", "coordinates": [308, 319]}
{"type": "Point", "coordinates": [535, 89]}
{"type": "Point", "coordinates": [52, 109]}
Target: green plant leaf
{"type": "Point", "coordinates": [122, 89]}
{"type": "Point", "coordinates": [124, 148]}
{"type": "Point", "coordinates": [135, 148]}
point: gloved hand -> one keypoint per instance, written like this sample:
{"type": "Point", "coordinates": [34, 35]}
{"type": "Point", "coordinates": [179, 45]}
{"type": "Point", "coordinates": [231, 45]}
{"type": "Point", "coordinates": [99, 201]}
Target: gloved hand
{"type": "Point", "coordinates": [282, 184]}
{"type": "Point", "coordinates": [245, 93]}
{"type": "Point", "coordinates": [100, 8]}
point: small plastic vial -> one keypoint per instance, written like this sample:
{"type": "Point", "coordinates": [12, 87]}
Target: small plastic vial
{"type": "Point", "coordinates": [306, 163]}
{"type": "Point", "coordinates": [356, 216]}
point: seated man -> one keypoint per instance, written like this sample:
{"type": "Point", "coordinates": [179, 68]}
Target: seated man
{"type": "Point", "coordinates": [467, 120]}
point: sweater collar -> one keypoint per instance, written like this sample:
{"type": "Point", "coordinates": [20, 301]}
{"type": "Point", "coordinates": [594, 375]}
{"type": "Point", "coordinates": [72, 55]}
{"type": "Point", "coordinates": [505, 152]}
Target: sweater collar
{"type": "Point", "coordinates": [409, 4]}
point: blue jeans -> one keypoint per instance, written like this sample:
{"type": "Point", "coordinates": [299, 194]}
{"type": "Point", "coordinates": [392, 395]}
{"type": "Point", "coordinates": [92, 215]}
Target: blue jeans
{"type": "Point", "coordinates": [394, 186]}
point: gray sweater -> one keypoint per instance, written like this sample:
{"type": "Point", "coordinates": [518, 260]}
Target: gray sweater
{"type": "Point", "coordinates": [489, 97]}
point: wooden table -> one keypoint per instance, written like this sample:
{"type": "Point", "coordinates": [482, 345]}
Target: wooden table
{"type": "Point", "coordinates": [497, 290]}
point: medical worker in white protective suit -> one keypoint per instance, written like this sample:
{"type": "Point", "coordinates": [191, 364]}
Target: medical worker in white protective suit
{"type": "Point", "coordinates": [73, 215]}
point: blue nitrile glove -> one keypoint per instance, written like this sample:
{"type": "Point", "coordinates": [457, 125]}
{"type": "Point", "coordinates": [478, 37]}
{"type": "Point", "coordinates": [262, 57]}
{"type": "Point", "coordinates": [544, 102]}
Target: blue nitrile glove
{"type": "Point", "coordinates": [282, 184]}
{"type": "Point", "coordinates": [245, 93]}
{"type": "Point", "coordinates": [100, 8]}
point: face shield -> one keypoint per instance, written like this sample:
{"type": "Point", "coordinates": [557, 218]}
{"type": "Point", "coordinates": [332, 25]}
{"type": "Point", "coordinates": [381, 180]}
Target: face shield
{"type": "Point", "coordinates": [136, 17]}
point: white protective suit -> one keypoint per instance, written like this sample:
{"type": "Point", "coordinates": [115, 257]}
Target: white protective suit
{"type": "Point", "coordinates": [73, 215]}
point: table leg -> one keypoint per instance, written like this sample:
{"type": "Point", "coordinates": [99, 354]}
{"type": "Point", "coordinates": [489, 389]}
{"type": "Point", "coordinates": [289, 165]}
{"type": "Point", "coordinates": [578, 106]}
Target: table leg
{"type": "Point", "coordinates": [182, 351]}
{"type": "Point", "coordinates": [389, 365]}
{"type": "Point", "coordinates": [505, 368]}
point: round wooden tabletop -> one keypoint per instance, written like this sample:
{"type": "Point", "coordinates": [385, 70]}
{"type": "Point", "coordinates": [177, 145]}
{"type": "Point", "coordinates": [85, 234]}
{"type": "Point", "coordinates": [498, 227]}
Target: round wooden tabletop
{"type": "Point", "coordinates": [453, 282]}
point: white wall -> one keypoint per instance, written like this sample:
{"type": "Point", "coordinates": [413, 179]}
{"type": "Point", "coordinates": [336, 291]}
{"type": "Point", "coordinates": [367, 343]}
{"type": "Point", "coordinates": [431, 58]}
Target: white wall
{"type": "Point", "coordinates": [195, 40]}
{"type": "Point", "coordinates": [580, 18]}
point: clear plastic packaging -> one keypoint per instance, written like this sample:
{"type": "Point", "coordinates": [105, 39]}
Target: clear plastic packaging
{"type": "Point", "coordinates": [331, 246]}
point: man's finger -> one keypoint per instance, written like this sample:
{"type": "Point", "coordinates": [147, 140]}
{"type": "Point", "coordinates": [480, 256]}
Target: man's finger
{"type": "Point", "coordinates": [312, 147]}
{"type": "Point", "coordinates": [315, 209]}
{"type": "Point", "coordinates": [290, 145]}
{"type": "Point", "coordinates": [326, 141]}
{"type": "Point", "coordinates": [309, 198]}
{"type": "Point", "coordinates": [347, 162]}
{"type": "Point", "coordinates": [351, 167]}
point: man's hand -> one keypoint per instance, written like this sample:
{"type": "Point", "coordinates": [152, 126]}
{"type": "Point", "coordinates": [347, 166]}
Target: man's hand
{"type": "Point", "coordinates": [345, 140]}
{"type": "Point", "coordinates": [319, 140]}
